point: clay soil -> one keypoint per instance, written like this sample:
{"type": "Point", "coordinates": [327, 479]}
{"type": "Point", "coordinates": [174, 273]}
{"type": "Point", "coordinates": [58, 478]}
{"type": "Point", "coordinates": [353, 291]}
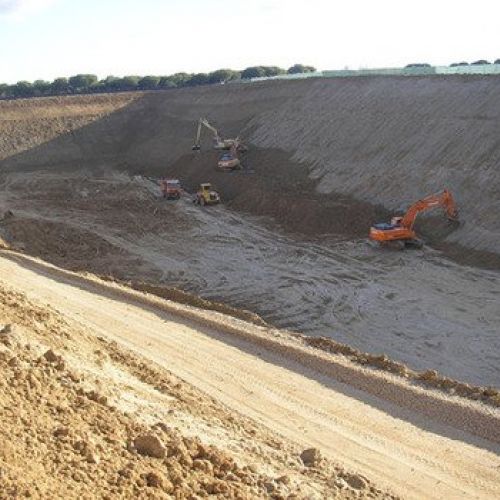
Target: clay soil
{"type": "Point", "coordinates": [85, 418]}
{"type": "Point", "coordinates": [287, 248]}
{"type": "Point", "coordinates": [416, 307]}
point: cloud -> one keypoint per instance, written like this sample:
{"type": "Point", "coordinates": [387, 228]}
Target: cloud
{"type": "Point", "coordinates": [23, 7]}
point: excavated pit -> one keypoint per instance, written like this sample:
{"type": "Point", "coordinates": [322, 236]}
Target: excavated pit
{"type": "Point", "coordinates": [326, 159]}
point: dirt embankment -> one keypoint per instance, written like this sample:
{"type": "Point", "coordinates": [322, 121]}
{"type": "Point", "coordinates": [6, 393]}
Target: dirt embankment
{"type": "Point", "coordinates": [416, 448]}
{"type": "Point", "coordinates": [83, 418]}
{"type": "Point", "coordinates": [379, 140]}
{"type": "Point", "coordinates": [28, 123]}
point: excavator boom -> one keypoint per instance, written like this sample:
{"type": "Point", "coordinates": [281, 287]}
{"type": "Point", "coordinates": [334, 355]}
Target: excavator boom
{"type": "Point", "coordinates": [444, 199]}
{"type": "Point", "coordinates": [205, 122]}
{"type": "Point", "coordinates": [219, 143]}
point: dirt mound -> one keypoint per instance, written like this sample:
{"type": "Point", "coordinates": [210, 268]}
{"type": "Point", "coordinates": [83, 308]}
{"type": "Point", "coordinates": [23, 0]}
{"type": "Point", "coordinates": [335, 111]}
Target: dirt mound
{"type": "Point", "coordinates": [429, 378]}
{"type": "Point", "coordinates": [55, 242]}
{"type": "Point", "coordinates": [92, 447]}
{"type": "Point", "coordinates": [378, 140]}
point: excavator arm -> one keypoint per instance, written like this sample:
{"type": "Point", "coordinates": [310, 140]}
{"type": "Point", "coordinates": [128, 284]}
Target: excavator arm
{"type": "Point", "coordinates": [219, 143]}
{"type": "Point", "coordinates": [444, 199]}
{"type": "Point", "coordinates": [196, 145]}
{"type": "Point", "coordinates": [204, 122]}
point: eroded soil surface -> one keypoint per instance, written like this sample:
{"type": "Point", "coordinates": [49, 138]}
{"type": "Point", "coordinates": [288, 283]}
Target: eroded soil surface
{"type": "Point", "coordinates": [416, 306]}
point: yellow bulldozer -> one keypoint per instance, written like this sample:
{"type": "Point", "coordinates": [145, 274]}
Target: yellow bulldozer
{"type": "Point", "coordinates": [206, 195]}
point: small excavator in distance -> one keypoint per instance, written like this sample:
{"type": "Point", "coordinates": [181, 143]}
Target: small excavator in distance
{"type": "Point", "coordinates": [229, 160]}
{"type": "Point", "coordinates": [218, 142]}
{"type": "Point", "coordinates": [399, 232]}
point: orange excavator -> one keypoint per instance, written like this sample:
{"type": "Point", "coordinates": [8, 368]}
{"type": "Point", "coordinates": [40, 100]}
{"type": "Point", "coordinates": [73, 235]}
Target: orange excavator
{"type": "Point", "coordinates": [399, 232]}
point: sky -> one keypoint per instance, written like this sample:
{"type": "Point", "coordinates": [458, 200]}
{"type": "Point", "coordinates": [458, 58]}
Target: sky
{"type": "Point", "coordinates": [45, 39]}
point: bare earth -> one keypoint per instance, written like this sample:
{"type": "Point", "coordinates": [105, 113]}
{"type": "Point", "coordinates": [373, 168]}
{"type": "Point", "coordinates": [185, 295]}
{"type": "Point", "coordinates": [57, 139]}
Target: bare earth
{"type": "Point", "coordinates": [363, 433]}
{"type": "Point", "coordinates": [109, 392]}
{"type": "Point", "coordinates": [416, 307]}
{"type": "Point", "coordinates": [83, 417]}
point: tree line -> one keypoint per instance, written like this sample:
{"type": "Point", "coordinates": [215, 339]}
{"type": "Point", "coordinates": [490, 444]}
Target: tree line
{"type": "Point", "coordinates": [89, 84]}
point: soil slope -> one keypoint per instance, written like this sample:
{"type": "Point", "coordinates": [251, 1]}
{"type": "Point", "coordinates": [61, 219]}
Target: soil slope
{"type": "Point", "coordinates": [402, 451]}
{"type": "Point", "coordinates": [83, 417]}
{"type": "Point", "coordinates": [326, 158]}
{"type": "Point", "coordinates": [382, 140]}
{"type": "Point", "coordinates": [416, 307]}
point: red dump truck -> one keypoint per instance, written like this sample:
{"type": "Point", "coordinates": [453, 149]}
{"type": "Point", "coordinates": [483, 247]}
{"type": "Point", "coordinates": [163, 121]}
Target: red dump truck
{"type": "Point", "coordinates": [171, 188]}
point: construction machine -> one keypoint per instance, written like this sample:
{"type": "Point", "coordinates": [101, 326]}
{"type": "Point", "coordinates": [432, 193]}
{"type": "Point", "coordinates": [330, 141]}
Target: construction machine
{"type": "Point", "coordinates": [206, 195]}
{"type": "Point", "coordinates": [399, 232]}
{"type": "Point", "coordinates": [171, 188]}
{"type": "Point", "coordinates": [218, 142]}
{"type": "Point", "coordinates": [230, 160]}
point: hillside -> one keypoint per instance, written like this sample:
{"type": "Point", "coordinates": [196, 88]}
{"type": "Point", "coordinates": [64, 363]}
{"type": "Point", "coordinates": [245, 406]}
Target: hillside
{"type": "Point", "coordinates": [72, 173]}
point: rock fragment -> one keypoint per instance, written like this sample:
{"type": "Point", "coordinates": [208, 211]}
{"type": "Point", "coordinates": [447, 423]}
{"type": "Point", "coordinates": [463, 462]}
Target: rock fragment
{"type": "Point", "coordinates": [149, 445]}
{"type": "Point", "coordinates": [61, 432]}
{"type": "Point", "coordinates": [92, 457]}
{"type": "Point", "coordinates": [154, 480]}
{"type": "Point", "coordinates": [203, 465]}
{"type": "Point", "coordinates": [52, 357]}
{"type": "Point", "coordinates": [6, 337]}
{"type": "Point", "coordinates": [311, 457]}
{"type": "Point", "coordinates": [97, 397]}
{"type": "Point", "coordinates": [355, 481]}
{"type": "Point", "coordinates": [6, 329]}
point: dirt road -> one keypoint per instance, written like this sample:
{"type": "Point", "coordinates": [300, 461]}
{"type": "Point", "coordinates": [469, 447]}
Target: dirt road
{"type": "Point", "coordinates": [349, 426]}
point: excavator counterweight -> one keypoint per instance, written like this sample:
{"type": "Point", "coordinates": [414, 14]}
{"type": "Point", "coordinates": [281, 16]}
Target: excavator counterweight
{"type": "Point", "coordinates": [400, 230]}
